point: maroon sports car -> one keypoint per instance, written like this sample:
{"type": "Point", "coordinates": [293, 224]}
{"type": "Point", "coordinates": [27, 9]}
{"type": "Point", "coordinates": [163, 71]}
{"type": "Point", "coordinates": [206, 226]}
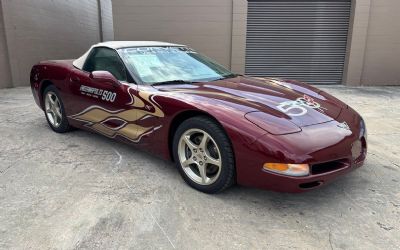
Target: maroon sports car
{"type": "Point", "coordinates": [219, 127]}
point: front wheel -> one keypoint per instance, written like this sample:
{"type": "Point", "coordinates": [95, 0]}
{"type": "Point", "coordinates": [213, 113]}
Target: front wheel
{"type": "Point", "coordinates": [54, 110]}
{"type": "Point", "coordinates": [203, 155]}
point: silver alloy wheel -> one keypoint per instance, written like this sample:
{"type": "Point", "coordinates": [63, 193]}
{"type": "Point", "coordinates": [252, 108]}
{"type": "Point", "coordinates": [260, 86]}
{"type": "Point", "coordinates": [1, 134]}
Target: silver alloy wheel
{"type": "Point", "coordinates": [199, 156]}
{"type": "Point", "coordinates": [53, 109]}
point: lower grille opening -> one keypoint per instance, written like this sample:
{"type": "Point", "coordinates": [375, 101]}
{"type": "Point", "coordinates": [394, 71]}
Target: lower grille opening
{"type": "Point", "coordinates": [328, 166]}
{"type": "Point", "coordinates": [309, 185]}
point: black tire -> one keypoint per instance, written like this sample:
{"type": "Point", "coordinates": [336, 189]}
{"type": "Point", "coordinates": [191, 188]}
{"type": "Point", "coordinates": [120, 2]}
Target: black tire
{"type": "Point", "coordinates": [227, 173]}
{"type": "Point", "coordinates": [64, 125]}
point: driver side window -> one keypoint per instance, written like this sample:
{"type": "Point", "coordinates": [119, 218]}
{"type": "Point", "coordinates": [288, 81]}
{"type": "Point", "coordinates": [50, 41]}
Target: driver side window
{"type": "Point", "coordinates": [105, 59]}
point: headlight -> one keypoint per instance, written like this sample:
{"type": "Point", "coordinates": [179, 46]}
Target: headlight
{"type": "Point", "coordinates": [272, 124]}
{"type": "Point", "coordinates": [288, 169]}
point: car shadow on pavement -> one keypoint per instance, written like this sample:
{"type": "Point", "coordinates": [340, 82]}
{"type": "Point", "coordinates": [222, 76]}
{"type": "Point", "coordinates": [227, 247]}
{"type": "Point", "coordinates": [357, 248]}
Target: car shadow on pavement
{"type": "Point", "coordinates": [341, 191]}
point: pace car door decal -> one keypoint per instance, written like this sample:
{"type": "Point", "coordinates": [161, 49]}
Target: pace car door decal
{"type": "Point", "coordinates": [141, 107]}
{"type": "Point", "coordinates": [102, 94]}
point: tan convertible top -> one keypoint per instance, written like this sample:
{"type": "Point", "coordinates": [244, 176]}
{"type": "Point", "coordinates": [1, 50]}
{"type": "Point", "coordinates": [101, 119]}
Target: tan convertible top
{"type": "Point", "coordinates": [121, 44]}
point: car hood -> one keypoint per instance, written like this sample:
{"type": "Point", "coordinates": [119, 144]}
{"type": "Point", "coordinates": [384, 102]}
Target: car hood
{"type": "Point", "coordinates": [300, 103]}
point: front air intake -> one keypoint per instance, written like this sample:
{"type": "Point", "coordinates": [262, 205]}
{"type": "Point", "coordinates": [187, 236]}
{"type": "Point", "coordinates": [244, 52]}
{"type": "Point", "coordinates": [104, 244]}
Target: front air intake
{"type": "Point", "coordinates": [330, 166]}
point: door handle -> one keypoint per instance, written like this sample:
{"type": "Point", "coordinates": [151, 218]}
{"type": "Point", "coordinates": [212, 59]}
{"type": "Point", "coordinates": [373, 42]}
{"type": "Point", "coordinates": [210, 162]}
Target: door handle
{"type": "Point", "coordinates": [74, 79]}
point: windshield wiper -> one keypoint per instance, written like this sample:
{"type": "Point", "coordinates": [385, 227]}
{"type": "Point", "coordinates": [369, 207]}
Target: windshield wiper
{"type": "Point", "coordinates": [226, 77]}
{"type": "Point", "coordinates": [233, 75]}
{"type": "Point", "coordinates": [172, 82]}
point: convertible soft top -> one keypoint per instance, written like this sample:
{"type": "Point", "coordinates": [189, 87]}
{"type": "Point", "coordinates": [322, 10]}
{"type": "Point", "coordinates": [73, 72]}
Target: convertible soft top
{"type": "Point", "coordinates": [78, 63]}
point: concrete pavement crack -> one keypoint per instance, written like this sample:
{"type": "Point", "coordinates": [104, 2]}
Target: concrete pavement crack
{"type": "Point", "coordinates": [146, 211]}
{"type": "Point", "coordinates": [330, 239]}
{"type": "Point", "coordinates": [397, 165]}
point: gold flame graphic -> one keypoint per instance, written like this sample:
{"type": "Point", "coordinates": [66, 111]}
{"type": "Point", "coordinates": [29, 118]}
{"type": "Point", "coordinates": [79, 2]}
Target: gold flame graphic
{"type": "Point", "coordinates": [95, 116]}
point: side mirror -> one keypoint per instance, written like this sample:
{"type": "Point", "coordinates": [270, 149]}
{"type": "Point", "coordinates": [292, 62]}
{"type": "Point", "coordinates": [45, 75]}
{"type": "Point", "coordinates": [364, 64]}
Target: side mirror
{"type": "Point", "coordinates": [104, 77]}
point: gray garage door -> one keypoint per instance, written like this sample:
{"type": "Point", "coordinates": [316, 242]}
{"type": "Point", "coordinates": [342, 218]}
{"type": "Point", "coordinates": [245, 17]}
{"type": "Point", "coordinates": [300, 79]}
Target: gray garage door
{"type": "Point", "coordinates": [297, 39]}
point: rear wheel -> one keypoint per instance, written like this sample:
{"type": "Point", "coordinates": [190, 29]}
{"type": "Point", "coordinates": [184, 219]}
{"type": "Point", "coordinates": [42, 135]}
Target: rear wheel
{"type": "Point", "coordinates": [54, 110]}
{"type": "Point", "coordinates": [203, 155]}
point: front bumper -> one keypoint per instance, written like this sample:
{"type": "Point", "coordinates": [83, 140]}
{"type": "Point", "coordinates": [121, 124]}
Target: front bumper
{"type": "Point", "coordinates": [281, 183]}
{"type": "Point", "coordinates": [320, 146]}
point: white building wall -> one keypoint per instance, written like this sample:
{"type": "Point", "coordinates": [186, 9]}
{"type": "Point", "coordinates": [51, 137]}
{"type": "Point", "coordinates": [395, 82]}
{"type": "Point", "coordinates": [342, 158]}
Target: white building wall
{"type": "Point", "coordinates": [382, 53]}
{"type": "Point", "coordinates": [34, 30]}
{"type": "Point", "coordinates": [107, 20]}
{"type": "Point", "coordinates": [5, 73]}
{"type": "Point", "coordinates": [46, 29]}
{"type": "Point", "coordinates": [205, 25]}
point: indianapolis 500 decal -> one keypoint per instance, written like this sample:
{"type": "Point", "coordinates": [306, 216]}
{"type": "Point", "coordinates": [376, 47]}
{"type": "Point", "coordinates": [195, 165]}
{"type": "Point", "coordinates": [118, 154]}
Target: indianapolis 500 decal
{"type": "Point", "coordinates": [105, 95]}
{"type": "Point", "coordinates": [98, 118]}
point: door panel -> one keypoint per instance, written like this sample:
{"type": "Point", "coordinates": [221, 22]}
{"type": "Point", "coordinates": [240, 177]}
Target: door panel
{"type": "Point", "coordinates": [123, 112]}
{"type": "Point", "coordinates": [102, 107]}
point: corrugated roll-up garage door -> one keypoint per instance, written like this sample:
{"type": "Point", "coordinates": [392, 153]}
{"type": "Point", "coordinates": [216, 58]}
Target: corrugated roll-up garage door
{"type": "Point", "coordinates": [297, 39]}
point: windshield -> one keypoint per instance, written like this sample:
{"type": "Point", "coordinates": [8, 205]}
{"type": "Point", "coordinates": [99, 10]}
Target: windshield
{"type": "Point", "coordinates": [161, 64]}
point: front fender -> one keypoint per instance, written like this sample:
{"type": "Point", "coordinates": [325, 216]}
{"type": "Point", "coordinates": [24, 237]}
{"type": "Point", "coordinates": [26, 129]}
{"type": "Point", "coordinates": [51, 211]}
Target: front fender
{"type": "Point", "coordinates": [232, 119]}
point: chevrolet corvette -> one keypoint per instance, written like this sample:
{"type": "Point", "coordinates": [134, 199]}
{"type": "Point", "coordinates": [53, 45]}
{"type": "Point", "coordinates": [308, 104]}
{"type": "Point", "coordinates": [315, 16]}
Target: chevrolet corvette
{"type": "Point", "coordinates": [219, 128]}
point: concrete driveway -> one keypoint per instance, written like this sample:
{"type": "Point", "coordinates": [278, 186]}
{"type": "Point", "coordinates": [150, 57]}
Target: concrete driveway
{"type": "Point", "coordinates": [82, 190]}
